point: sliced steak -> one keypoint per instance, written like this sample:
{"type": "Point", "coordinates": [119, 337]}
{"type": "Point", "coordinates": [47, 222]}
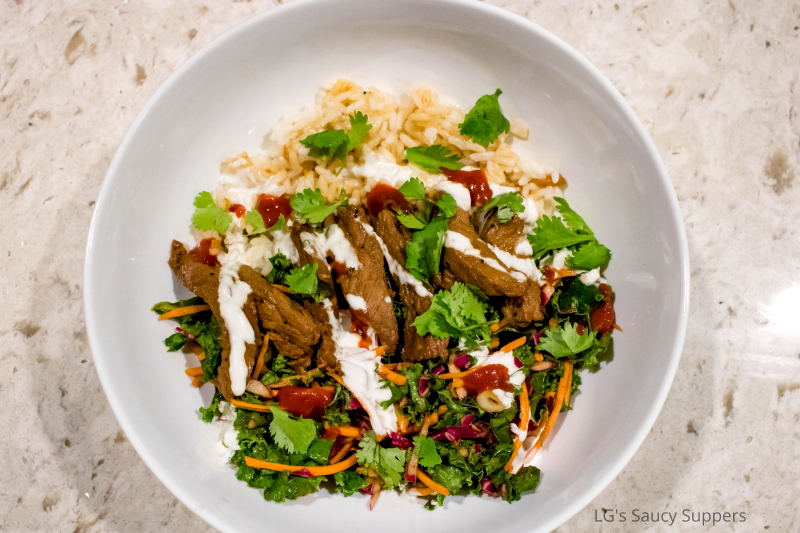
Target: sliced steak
{"type": "Point", "coordinates": [369, 280]}
{"type": "Point", "coordinates": [291, 327]}
{"type": "Point", "coordinates": [472, 261]}
{"type": "Point", "coordinates": [415, 348]}
{"type": "Point", "coordinates": [203, 280]}
{"type": "Point", "coordinates": [520, 311]}
{"type": "Point", "coordinates": [304, 239]}
{"type": "Point", "coordinates": [326, 351]}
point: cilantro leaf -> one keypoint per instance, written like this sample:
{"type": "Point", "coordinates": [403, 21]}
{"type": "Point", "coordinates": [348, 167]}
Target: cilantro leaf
{"type": "Point", "coordinates": [303, 280]}
{"type": "Point", "coordinates": [327, 145]}
{"type": "Point", "coordinates": [485, 121]}
{"type": "Point", "coordinates": [311, 205]}
{"type": "Point", "coordinates": [457, 314]}
{"type": "Point", "coordinates": [209, 216]}
{"type": "Point", "coordinates": [589, 256]}
{"type": "Point", "coordinates": [575, 297]}
{"type": "Point", "coordinates": [424, 251]}
{"type": "Point", "coordinates": [280, 267]}
{"type": "Point", "coordinates": [425, 448]}
{"type": "Point", "coordinates": [563, 341]}
{"type": "Point", "coordinates": [573, 219]}
{"type": "Point", "coordinates": [294, 435]}
{"type": "Point", "coordinates": [448, 205]}
{"type": "Point", "coordinates": [550, 233]}
{"type": "Point", "coordinates": [507, 204]}
{"type": "Point", "coordinates": [433, 157]}
{"type": "Point", "coordinates": [254, 218]}
{"type": "Point", "coordinates": [359, 129]}
{"type": "Point", "coordinates": [411, 221]}
{"type": "Point", "coordinates": [335, 144]}
{"type": "Point", "coordinates": [413, 189]}
{"type": "Point", "coordinates": [389, 463]}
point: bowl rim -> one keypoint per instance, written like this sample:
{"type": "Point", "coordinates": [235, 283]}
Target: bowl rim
{"type": "Point", "coordinates": [102, 366]}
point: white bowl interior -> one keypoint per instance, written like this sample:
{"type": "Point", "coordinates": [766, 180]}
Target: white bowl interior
{"type": "Point", "coordinates": [225, 100]}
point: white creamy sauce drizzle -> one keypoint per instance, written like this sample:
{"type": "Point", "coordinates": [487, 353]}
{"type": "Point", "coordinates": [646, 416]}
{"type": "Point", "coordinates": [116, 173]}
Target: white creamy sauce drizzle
{"type": "Point", "coordinates": [378, 169]}
{"type": "Point", "coordinates": [216, 447]}
{"type": "Point", "coordinates": [337, 244]}
{"type": "Point", "coordinates": [313, 244]}
{"type": "Point", "coordinates": [526, 454]}
{"type": "Point", "coordinates": [458, 191]}
{"type": "Point", "coordinates": [232, 295]}
{"type": "Point", "coordinates": [457, 241]}
{"type": "Point", "coordinates": [560, 258]}
{"type": "Point", "coordinates": [520, 264]}
{"type": "Point", "coordinates": [398, 270]}
{"type": "Point", "coordinates": [524, 248]}
{"type": "Point", "coordinates": [359, 373]}
{"type": "Point", "coordinates": [592, 277]}
{"type": "Point", "coordinates": [243, 188]}
{"type": "Point", "coordinates": [283, 244]}
{"type": "Point", "coordinates": [356, 302]}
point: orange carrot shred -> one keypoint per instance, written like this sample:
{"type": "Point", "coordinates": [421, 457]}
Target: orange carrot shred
{"type": "Point", "coordinates": [380, 350]}
{"type": "Point", "coordinates": [513, 345]}
{"type": "Point", "coordinates": [390, 375]}
{"type": "Point", "coordinates": [197, 381]}
{"type": "Point", "coordinates": [422, 476]}
{"type": "Point", "coordinates": [455, 375]}
{"type": "Point", "coordinates": [562, 391]}
{"type": "Point", "coordinates": [524, 419]}
{"type": "Point", "coordinates": [424, 491]}
{"type": "Point", "coordinates": [250, 406]}
{"type": "Point", "coordinates": [193, 372]}
{"type": "Point", "coordinates": [341, 453]}
{"type": "Point", "coordinates": [260, 361]}
{"type": "Point", "coordinates": [183, 311]}
{"type": "Point", "coordinates": [495, 342]}
{"type": "Point", "coordinates": [313, 470]}
{"type": "Point", "coordinates": [500, 325]}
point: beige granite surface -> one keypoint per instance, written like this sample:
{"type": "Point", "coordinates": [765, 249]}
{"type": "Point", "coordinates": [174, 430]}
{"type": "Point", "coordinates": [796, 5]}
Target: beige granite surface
{"type": "Point", "coordinates": [716, 85]}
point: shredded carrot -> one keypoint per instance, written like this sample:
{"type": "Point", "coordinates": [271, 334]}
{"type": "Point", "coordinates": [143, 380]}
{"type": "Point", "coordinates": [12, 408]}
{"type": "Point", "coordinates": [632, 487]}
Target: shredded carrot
{"type": "Point", "coordinates": [402, 423]}
{"type": "Point", "coordinates": [196, 371]}
{"type": "Point", "coordinates": [616, 327]}
{"type": "Point", "coordinates": [431, 484]}
{"type": "Point", "coordinates": [455, 375]}
{"type": "Point", "coordinates": [201, 356]}
{"type": "Point", "coordinates": [338, 378]}
{"type": "Point", "coordinates": [495, 342]}
{"type": "Point", "coordinates": [250, 406]}
{"type": "Point", "coordinates": [313, 470]}
{"type": "Point", "coordinates": [341, 453]}
{"type": "Point", "coordinates": [424, 491]}
{"type": "Point", "coordinates": [431, 419]}
{"type": "Point", "coordinates": [498, 326]}
{"type": "Point", "coordinates": [197, 381]}
{"type": "Point", "coordinates": [569, 389]}
{"type": "Point", "coordinates": [344, 431]}
{"type": "Point", "coordinates": [391, 375]}
{"type": "Point", "coordinates": [562, 391]}
{"type": "Point", "coordinates": [524, 419]}
{"type": "Point", "coordinates": [513, 345]}
{"type": "Point", "coordinates": [442, 409]}
{"type": "Point", "coordinates": [260, 361]}
{"type": "Point", "coordinates": [538, 356]}
{"type": "Point", "coordinates": [183, 311]}
{"type": "Point", "coordinates": [379, 351]}
{"type": "Point", "coordinates": [284, 289]}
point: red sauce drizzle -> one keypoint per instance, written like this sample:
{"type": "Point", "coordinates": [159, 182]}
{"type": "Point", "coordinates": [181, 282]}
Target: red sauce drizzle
{"type": "Point", "coordinates": [202, 253]}
{"type": "Point", "coordinates": [272, 207]}
{"type": "Point", "coordinates": [238, 209]}
{"type": "Point", "coordinates": [475, 181]}
{"type": "Point", "coordinates": [603, 318]}
{"type": "Point", "coordinates": [487, 377]}
{"type": "Point", "coordinates": [340, 268]}
{"type": "Point", "coordinates": [308, 403]}
{"type": "Point", "coordinates": [383, 196]}
{"type": "Point", "coordinates": [359, 324]}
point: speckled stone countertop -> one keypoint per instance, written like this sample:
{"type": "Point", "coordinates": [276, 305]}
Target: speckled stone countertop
{"type": "Point", "coordinates": [716, 85]}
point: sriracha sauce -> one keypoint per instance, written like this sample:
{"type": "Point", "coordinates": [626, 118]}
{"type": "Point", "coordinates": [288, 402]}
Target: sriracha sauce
{"type": "Point", "coordinates": [202, 253]}
{"type": "Point", "coordinates": [475, 181]}
{"type": "Point", "coordinates": [238, 209]}
{"type": "Point", "coordinates": [272, 207]}
{"type": "Point", "coordinates": [383, 196]}
{"type": "Point", "coordinates": [603, 318]}
{"type": "Point", "coordinates": [487, 377]}
{"type": "Point", "coordinates": [305, 402]}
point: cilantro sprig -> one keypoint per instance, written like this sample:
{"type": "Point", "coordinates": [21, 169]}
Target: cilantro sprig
{"type": "Point", "coordinates": [564, 340]}
{"type": "Point", "coordinates": [485, 121]}
{"type": "Point", "coordinates": [459, 313]}
{"type": "Point", "coordinates": [507, 205]}
{"type": "Point", "coordinates": [554, 233]}
{"type": "Point", "coordinates": [413, 189]}
{"type": "Point", "coordinates": [208, 216]}
{"type": "Point", "coordinates": [388, 463]}
{"type": "Point", "coordinates": [335, 144]}
{"type": "Point", "coordinates": [303, 280]}
{"type": "Point", "coordinates": [433, 158]}
{"type": "Point", "coordinates": [311, 205]}
{"type": "Point", "coordinates": [292, 434]}
{"type": "Point", "coordinates": [254, 218]}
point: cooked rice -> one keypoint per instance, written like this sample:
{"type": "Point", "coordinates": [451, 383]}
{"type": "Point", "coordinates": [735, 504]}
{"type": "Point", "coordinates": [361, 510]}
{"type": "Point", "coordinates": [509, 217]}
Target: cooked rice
{"type": "Point", "coordinates": [413, 119]}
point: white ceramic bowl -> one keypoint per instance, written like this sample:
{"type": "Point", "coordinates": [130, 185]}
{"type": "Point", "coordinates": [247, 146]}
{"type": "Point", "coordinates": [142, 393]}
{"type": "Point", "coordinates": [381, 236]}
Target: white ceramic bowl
{"type": "Point", "coordinates": [227, 97]}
